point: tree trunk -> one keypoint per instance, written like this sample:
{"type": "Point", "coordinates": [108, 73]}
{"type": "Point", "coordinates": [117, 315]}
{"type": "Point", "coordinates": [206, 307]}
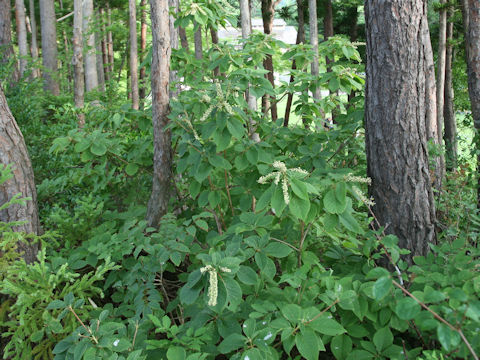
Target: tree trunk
{"type": "Point", "coordinates": [91, 77]}
{"type": "Point", "coordinates": [98, 52]}
{"type": "Point", "coordinates": [49, 46]}
{"type": "Point", "coordinates": [21, 35]}
{"type": "Point", "coordinates": [442, 43]}
{"type": "Point", "coordinates": [6, 48]}
{"type": "Point", "coordinates": [395, 121]}
{"type": "Point", "coordinates": [450, 135]}
{"type": "Point", "coordinates": [132, 10]}
{"type": "Point", "coordinates": [471, 23]}
{"type": "Point", "coordinates": [111, 58]}
{"type": "Point", "coordinates": [106, 68]}
{"type": "Point", "coordinates": [174, 6]}
{"type": "Point", "coordinates": [77, 60]}
{"type": "Point", "coordinates": [246, 23]}
{"type": "Point", "coordinates": [160, 72]}
{"type": "Point", "coordinates": [312, 10]}
{"type": "Point", "coordinates": [13, 151]}
{"type": "Point", "coordinates": [328, 24]}
{"type": "Point", "coordinates": [300, 39]}
{"type": "Point", "coordinates": [143, 49]}
{"type": "Point", "coordinates": [33, 44]}
{"type": "Point", "coordinates": [268, 12]}
{"type": "Point", "coordinates": [197, 37]}
{"type": "Point", "coordinates": [214, 35]}
{"type": "Point", "coordinates": [183, 38]}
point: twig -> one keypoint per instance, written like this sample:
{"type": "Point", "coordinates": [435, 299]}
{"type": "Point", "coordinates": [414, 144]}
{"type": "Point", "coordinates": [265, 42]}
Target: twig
{"type": "Point", "coordinates": [135, 334]}
{"type": "Point", "coordinates": [323, 311]}
{"type": "Point", "coordinates": [302, 240]}
{"type": "Point", "coordinates": [438, 317]}
{"type": "Point", "coordinates": [227, 187]}
{"type": "Point", "coordinates": [81, 322]}
{"type": "Point", "coordinates": [286, 243]}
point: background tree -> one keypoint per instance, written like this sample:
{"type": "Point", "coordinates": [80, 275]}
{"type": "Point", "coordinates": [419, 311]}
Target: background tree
{"type": "Point", "coordinates": [395, 122]}
{"type": "Point", "coordinates": [49, 46]}
{"type": "Point", "coordinates": [312, 10]}
{"type": "Point", "coordinates": [33, 42]}
{"type": "Point", "coordinates": [160, 72]}
{"type": "Point", "coordinates": [132, 20]}
{"type": "Point", "coordinates": [21, 34]}
{"type": "Point", "coordinates": [14, 152]}
{"type": "Point", "coordinates": [90, 59]}
{"type": "Point", "coordinates": [77, 59]}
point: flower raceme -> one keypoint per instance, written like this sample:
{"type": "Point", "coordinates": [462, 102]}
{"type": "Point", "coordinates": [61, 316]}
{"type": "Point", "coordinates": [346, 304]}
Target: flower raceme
{"type": "Point", "coordinates": [213, 283]}
{"type": "Point", "coordinates": [282, 174]}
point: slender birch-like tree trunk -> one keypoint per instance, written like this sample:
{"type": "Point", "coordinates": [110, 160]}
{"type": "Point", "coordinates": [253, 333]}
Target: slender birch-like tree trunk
{"type": "Point", "coordinates": [98, 52]}
{"type": "Point", "coordinates": [442, 44]}
{"type": "Point", "coordinates": [106, 68]}
{"type": "Point", "coordinates": [132, 11]}
{"type": "Point", "coordinates": [77, 60]}
{"type": "Point", "coordinates": [13, 151]}
{"type": "Point", "coordinates": [33, 43]}
{"type": "Point", "coordinates": [111, 58]}
{"type": "Point", "coordinates": [312, 11]}
{"type": "Point", "coordinates": [21, 35]}
{"type": "Point", "coordinates": [160, 78]}
{"type": "Point", "coordinates": [197, 37]}
{"type": "Point", "coordinates": [49, 46]}
{"type": "Point", "coordinates": [90, 59]}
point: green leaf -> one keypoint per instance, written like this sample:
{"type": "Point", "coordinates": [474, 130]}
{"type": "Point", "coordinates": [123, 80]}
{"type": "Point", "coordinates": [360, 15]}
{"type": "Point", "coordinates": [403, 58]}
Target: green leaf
{"type": "Point", "coordinates": [219, 162]}
{"type": "Point", "coordinates": [252, 155]}
{"type": "Point", "coordinates": [202, 172]}
{"type": "Point", "coordinates": [236, 128]}
{"type": "Point", "coordinates": [341, 346]}
{"type": "Point", "coordinates": [131, 169]}
{"type": "Point", "coordinates": [234, 292]}
{"type": "Point", "coordinates": [447, 337]}
{"type": "Point", "coordinates": [98, 148]}
{"type": "Point", "coordinates": [135, 355]}
{"type": "Point", "coordinates": [277, 249]}
{"type": "Point", "coordinates": [56, 304]}
{"type": "Point", "coordinates": [332, 205]}
{"type": "Point", "coordinates": [214, 198]}
{"type": "Point", "coordinates": [327, 326]}
{"type": "Point", "coordinates": [82, 145]}
{"type": "Point", "coordinates": [307, 343]}
{"type": "Point", "coordinates": [341, 192]}
{"type": "Point", "coordinates": [381, 287]}
{"type": "Point", "coordinates": [299, 188]}
{"type": "Point", "coordinates": [347, 220]}
{"type": "Point", "coordinates": [232, 343]}
{"type": "Point", "coordinates": [222, 139]}
{"type": "Point", "coordinates": [202, 224]}
{"type": "Point", "coordinates": [247, 276]}
{"type": "Point", "coordinates": [360, 355]}
{"type": "Point", "coordinates": [241, 162]}
{"type": "Point", "coordinates": [299, 207]}
{"type": "Point", "coordinates": [194, 188]}
{"type": "Point", "coordinates": [265, 199]}
{"type": "Point", "coordinates": [407, 308]}
{"type": "Point", "coordinates": [291, 312]}
{"type": "Point", "coordinates": [176, 353]}
{"type": "Point", "coordinates": [278, 203]}
{"type": "Point", "coordinates": [37, 336]}
{"type": "Point", "coordinates": [382, 339]}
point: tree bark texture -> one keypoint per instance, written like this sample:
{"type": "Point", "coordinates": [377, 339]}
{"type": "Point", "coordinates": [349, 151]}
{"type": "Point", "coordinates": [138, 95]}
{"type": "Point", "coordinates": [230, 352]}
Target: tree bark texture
{"type": "Point", "coordinates": [77, 60]}
{"type": "Point", "coordinates": [471, 20]}
{"type": "Point", "coordinates": [6, 48]}
{"type": "Point", "coordinates": [197, 38]}
{"type": "Point", "coordinates": [132, 21]}
{"type": "Point", "coordinates": [90, 59]}
{"type": "Point", "coordinates": [13, 151]}
{"type": "Point", "coordinates": [98, 51]}
{"type": "Point", "coordinates": [183, 38]}
{"type": "Point", "coordinates": [214, 35]}
{"type": "Point", "coordinates": [395, 114]}
{"type": "Point", "coordinates": [300, 39]}
{"type": "Point", "coordinates": [268, 12]}
{"type": "Point", "coordinates": [312, 10]}
{"type": "Point", "coordinates": [33, 43]}
{"type": "Point", "coordinates": [174, 5]}
{"type": "Point", "coordinates": [49, 46]}
{"type": "Point", "coordinates": [111, 58]}
{"type": "Point", "coordinates": [143, 50]}
{"type": "Point", "coordinates": [160, 71]}
{"type": "Point", "coordinates": [442, 47]}
{"type": "Point", "coordinates": [21, 35]}
{"type": "Point", "coordinates": [450, 134]}
{"type": "Point", "coordinates": [328, 25]}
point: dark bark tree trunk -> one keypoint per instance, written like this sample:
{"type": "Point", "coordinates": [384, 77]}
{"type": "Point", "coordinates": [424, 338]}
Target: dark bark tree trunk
{"type": "Point", "coordinates": [77, 60]}
{"type": "Point", "coordinates": [21, 35]}
{"type": "Point", "coordinates": [143, 49]}
{"type": "Point", "coordinates": [133, 53]}
{"type": "Point", "coordinates": [395, 121]}
{"type": "Point", "coordinates": [6, 48]}
{"type": "Point", "coordinates": [160, 73]}
{"type": "Point", "coordinates": [98, 52]}
{"type": "Point", "coordinates": [183, 38]}
{"type": "Point", "coordinates": [214, 35]}
{"type": "Point", "coordinates": [13, 151]}
{"type": "Point", "coordinates": [33, 43]}
{"type": "Point", "coordinates": [268, 12]}
{"type": "Point", "coordinates": [111, 58]}
{"type": "Point", "coordinates": [104, 45]}
{"type": "Point", "coordinates": [471, 23]}
{"type": "Point", "coordinates": [197, 37]}
{"type": "Point", "coordinates": [328, 23]}
{"type": "Point", "coordinates": [450, 134]}
{"type": "Point", "coordinates": [300, 40]}
{"type": "Point", "coordinates": [49, 46]}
